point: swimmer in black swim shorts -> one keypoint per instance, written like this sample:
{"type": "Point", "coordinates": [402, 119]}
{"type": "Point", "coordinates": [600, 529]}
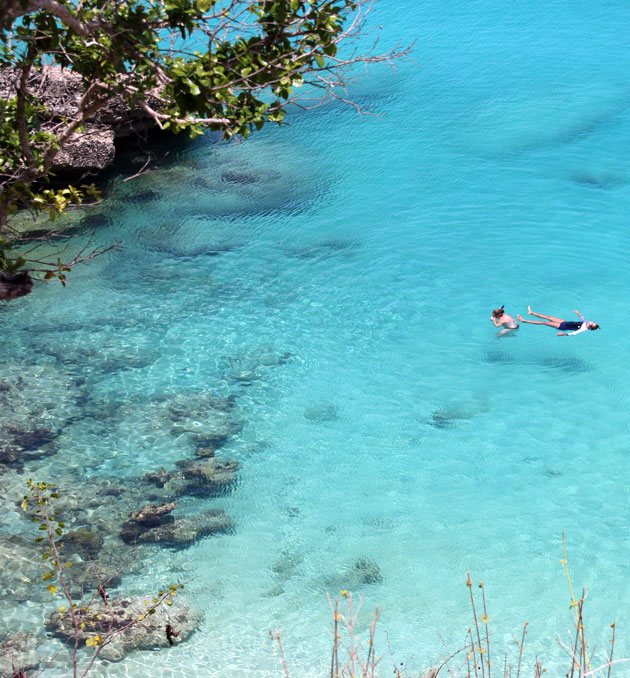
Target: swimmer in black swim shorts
{"type": "Point", "coordinates": [567, 328]}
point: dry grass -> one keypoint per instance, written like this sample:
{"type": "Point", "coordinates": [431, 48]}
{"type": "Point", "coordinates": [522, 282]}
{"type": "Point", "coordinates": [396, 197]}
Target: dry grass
{"type": "Point", "coordinates": [354, 656]}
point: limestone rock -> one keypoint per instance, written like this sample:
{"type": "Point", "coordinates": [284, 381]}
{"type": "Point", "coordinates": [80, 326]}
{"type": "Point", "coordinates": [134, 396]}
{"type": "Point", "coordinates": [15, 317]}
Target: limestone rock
{"type": "Point", "coordinates": [207, 478]}
{"type": "Point", "coordinates": [84, 542]}
{"type": "Point", "coordinates": [178, 531]}
{"type": "Point", "coordinates": [60, 91]}
{"type": "Point", "coordinates": [151, 516]}
{"type": "Point", "coordinates": [205, 452]}
{"type": "Point", "coordinates": [18, 651]}
{"type": "Point", "coordinates": [92, 150]}
{"type": "Point", "coordinates": [14, 285]}
{"type": "Point", "coordinates": [148, 634]}
{"type": "Point", "coordinates": [321, 412]}
{"type": "Point", "coordinates": [362, 572]}
{"type": "Point", "coordinates": [366, 571]}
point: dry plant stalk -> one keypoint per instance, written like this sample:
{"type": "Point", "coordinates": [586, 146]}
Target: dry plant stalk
{"type": "Point", "coordinates": [356, 664]}
{"type": "Point", "coordinates": [41, 497]}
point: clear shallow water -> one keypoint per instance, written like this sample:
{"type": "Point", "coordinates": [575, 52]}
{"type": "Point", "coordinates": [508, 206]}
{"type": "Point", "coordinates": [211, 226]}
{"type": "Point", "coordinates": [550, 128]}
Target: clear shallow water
{"type": "Point", "coordinates": [372, 249]}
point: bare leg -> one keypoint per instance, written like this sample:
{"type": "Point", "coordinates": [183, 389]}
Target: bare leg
{"type": "Point", "coordinates": [552, 318]}
{"type": "Point", "coordinates": [554, 323]}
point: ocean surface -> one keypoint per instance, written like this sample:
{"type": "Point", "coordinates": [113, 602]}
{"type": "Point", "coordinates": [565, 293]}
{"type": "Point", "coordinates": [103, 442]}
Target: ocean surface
{"type": "Point", "coordinates": [335, 277]}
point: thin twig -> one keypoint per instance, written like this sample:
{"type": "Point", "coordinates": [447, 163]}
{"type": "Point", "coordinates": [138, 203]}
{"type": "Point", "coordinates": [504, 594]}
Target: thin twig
{"type": "Point", "coordinates": [520, 652]}
{"type": "Point", "coordinates": [276, 636]}
{"type": "Point", "coordinates": [479, 645]}
{"type": "Point", "coordinates": [612, 648]}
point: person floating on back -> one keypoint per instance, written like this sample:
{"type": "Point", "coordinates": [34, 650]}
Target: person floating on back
{"type": "Point", "coordinates": [504, 321]}
{"type": "Point", "coordinates": [567, 328]}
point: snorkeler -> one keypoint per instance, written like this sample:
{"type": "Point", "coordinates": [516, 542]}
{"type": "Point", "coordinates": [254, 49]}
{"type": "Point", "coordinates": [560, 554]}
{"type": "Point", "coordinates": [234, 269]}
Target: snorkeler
{"type": "Point", "coordinates": [567, 327]}
{"type": "Point", "coordinates": [504, 321]}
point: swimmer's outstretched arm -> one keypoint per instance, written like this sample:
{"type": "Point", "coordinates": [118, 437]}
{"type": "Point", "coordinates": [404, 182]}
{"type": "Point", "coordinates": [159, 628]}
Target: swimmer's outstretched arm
{"type": "Point", "coordinates": [579, 315]}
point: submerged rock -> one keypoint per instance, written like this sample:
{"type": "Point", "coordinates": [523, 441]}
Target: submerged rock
{"type": "Point", "coordinates": [362, 572]}
{"type": "Point", "coordinates": [250, 366]}
{"type": "Point", "coordinates": [208, 477]}
{"type": "Point", "coordinates": [287, 565]}
{"type": "Point", "coordinates": [178, 531]}
{"type": "Point", "coordinates": [208, 433]}
{"type": "Point", "coordinates": [158, 478]}
{"type": "Point", "coordinates": [9, 455]}
{"type": "Point", "coordinates": [205, 452]}
{"type": "Point", "coordinates": [33, 440]}
{"type": "Point", "coordinates": [142, 197]}
{"type": "Point", "coordinates": [18, 651]}
{"type": "Point", "coordinates": [88, 575]}
{"type": "Point", "coordinates": [209, 420]}
{"type": "Point", "coordinates": [321, 412]}
{"type": "Point", "coordinates": [204, 476]}
{"type": "Point", "coordinates": [36, 401]}
{"type": "Point", "coordinates": [84, 542]}
{"type": "Point", "coordinates": [150, 516]}
{"type": "Point", "coordinates": [145, 519]}
{"type": "Point", "coordinates": [117, 620]}
{"type": "Point", "coordinates": [366, 571]}
{"type": "Point", "coordinates": [450, 415]}
{"type": "Point", "coordinates": [323, 250]}
{"type": "Point", "coordinates": [236, 177]}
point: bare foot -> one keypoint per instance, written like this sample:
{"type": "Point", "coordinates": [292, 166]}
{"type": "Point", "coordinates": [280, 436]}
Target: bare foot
{"type": "Point", "coordinates": [519, 317]}
{"type": "Point", "coordinates": [529, 310]}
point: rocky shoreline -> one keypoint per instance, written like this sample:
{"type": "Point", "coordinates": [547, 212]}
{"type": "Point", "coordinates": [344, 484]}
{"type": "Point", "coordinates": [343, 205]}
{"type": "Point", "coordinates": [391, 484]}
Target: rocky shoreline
{"type": "Point", "coordinates": [93, 149]}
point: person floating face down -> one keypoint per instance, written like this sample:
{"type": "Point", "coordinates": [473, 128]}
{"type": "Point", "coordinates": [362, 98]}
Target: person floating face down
{"type": "Point", "coordinates": [568, 328]}
{"type": "Point", "coordinates": [502, 320]}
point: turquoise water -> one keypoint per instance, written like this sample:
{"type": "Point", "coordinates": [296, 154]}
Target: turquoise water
{"type": "Point", "coordinates": [336, 277]}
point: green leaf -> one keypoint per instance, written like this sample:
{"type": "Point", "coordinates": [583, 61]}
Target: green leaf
{"type": "Point", "coordinates": [204, 5]}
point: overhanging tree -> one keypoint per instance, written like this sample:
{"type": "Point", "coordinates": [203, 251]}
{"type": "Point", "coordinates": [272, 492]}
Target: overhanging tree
{"type": "Point", "coordinates": [229, 66]}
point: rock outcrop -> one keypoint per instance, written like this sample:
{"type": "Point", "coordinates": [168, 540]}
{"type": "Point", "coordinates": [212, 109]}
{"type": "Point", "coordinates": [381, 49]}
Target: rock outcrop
{"type": "Point", "coordinates": [18, 651]}
{"type": "Point", "coordinates": [14, 285]}
{"type": "Point", "coordinates": [59, 91]}
{"type": "Point", "coordinates": [118, 623]}
{"type": "Point", "coordinates": [155, 524]}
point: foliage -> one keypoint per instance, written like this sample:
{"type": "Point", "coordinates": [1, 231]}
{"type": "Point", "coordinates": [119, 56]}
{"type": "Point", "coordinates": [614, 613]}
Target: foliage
{"type": "Point", "coordinates": [88, 626]}
{"type": "Point", "coordinates": [189, 65]}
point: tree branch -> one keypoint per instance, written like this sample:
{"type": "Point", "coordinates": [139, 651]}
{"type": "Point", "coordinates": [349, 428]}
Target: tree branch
{"type": "Point", "coordinates": [17, 9]}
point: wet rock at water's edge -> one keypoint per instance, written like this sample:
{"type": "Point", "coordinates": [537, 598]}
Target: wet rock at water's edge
{"type": "Point", "coordinates": [14, 285]}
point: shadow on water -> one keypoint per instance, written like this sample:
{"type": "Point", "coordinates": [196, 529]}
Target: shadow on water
{"type": "Point", "coordinates": [450, 415]}
{"type": "Point", "coordinates": [323, 249]}
{"type": "Point", "coordinates": [567, 364]}
{"type": "Point", "coordinates": [602, 181]}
